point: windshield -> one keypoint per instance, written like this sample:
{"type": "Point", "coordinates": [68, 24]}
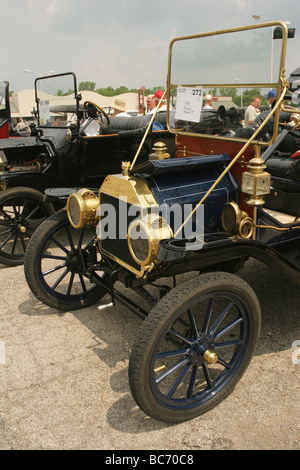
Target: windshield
{"type": "Point", "coordinates": [56, 100]}
{"type": "Point", "coordinates": [214, 77]}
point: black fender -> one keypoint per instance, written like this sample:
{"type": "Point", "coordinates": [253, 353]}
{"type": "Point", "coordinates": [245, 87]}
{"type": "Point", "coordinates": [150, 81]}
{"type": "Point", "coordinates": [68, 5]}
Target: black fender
{"type": "Point", "coordinates": [222, 248]}
{"type": "Point", "coordinates": [31, 179]}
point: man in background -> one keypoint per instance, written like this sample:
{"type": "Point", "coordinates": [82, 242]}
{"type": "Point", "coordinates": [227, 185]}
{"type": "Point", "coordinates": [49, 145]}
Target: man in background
{"type": "Point", "coordinates": [252, 111]}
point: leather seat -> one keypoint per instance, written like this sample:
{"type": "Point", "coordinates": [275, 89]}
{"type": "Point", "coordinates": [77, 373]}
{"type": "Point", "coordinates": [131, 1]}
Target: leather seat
{"type": "Point", "coordinates": [121, 124]}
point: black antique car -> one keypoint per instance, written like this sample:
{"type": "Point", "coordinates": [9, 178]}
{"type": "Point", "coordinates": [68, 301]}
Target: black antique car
{"type": "Point", "coordinates": [64, 147]}
{"type": "Point", "coordinates": [226, 197]}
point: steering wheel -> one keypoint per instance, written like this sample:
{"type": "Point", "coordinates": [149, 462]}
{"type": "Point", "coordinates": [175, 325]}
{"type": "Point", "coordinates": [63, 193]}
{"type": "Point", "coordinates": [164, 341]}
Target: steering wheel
{"type": "Point", "coordinates": [94, 110]}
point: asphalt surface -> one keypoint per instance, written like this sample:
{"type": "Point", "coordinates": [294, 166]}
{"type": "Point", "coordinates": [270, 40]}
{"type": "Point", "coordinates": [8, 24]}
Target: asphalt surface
{"type": "Point", "coordinates": [64, 385]}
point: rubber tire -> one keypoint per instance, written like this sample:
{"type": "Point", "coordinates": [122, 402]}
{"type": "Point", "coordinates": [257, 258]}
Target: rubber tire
{"type": "Point", "coordinates": [159, 319]}
{"type": "Point", "coordinates": [22, 192]}
{"type": "Point", "coordinates": [31, 265]}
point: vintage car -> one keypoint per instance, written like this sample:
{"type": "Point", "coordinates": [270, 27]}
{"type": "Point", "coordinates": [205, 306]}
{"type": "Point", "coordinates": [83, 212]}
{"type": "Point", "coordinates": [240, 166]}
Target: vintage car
{"type": "Point", "coordinates": [64, 148]}
{"type": "Point", "coordinates": [226, 197]}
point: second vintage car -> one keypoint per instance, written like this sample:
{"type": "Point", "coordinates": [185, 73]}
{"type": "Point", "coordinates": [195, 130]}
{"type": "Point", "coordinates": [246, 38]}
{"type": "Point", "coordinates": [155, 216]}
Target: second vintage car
{"type": "Point", "coordinates": [65, 148]}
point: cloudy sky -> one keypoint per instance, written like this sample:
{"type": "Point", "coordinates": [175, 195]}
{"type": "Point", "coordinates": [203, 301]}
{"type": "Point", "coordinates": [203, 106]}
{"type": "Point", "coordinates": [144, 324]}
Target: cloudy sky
{"type": "Point", "coordinates": [119, 42]}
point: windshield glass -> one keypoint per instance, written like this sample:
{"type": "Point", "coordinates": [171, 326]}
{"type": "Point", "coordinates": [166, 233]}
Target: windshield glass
{"type": "Point", "coordinates": [56, 100]}
{"type": "Point", "coordinates": [213, 78]}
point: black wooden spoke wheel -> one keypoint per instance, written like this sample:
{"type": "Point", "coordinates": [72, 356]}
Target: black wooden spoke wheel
{"type": "Point", "coordinates": [22, 210]}
{"type": "Point", "coordinates": [55, 265]}
{"type": "Point", "coordinates": [194, 347]}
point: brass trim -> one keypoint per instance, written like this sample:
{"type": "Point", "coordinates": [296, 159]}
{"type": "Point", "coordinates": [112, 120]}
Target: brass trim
{"type": "Point", "coordinates": [139, 273]}
{"type": "Point", "coordinates": [243, 226]}
{"type": "Point", "coordinates": [154, 235]}
{"type": "Point", "coordinates": [88, 204]}
{"type": "Point", "coordinates": [159, 152]}
{"type": "Point", "coordinates": [246, 227]}
{"type": "Point", "coordinates": [150, 254]}
{"type": "Point", "coordinates": [210, 356]}
{"type": "Point", "coordinates": [279, 229]}
{"type": "Point", "coordinates": [69, 135]}
{"type": "Point", "coordinates": [279, 85]}
{"type": "Point", "coordinates": [136, 191]}
{"type": "Point", "coordinates": [235, 159]}
{"type": "Point", "coordinates": [147, 131]}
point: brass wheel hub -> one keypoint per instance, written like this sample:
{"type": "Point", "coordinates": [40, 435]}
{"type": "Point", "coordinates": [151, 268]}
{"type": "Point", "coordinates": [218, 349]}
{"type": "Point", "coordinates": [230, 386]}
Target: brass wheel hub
{"type": "Point", "coordinates": [202, 351]}
{"type": "Point", "coordinates": [22, 228]}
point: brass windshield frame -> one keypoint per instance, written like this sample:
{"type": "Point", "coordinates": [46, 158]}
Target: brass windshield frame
{"type": "Point", "coordinates": [281, 86]}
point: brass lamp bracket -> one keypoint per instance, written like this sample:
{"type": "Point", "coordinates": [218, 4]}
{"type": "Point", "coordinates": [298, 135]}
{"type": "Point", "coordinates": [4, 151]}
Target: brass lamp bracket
{"type": "Point", "coordinates": [159, 152]}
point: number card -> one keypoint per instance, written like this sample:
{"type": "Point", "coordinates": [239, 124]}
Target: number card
{"type": "Point", "coordinates": [189, 103]}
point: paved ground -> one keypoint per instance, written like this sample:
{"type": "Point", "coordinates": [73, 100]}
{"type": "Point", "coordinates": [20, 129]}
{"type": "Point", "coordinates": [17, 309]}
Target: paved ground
{"type": "Point", "coordinates": [63, 378]}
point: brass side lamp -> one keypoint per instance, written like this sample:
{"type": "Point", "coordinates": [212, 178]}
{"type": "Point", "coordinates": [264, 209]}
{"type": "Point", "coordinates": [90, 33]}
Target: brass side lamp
{"type": "Point", "coordinates": [256, 182]}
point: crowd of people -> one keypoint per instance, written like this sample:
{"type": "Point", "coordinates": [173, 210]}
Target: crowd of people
{"type": "Point", "coordinates": [252, 110]}
{"type": "Point", "coordinates": [155, 100]}
{"type": "Point", "coordinates": [152, 102]}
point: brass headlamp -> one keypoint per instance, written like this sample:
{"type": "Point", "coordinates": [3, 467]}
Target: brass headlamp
{"type": "Point", "coordinates": [144, 236]}
{"type": "Point", "coordinates": [82, 208]}
{"type": "Point", "coordinates": [236, 221]}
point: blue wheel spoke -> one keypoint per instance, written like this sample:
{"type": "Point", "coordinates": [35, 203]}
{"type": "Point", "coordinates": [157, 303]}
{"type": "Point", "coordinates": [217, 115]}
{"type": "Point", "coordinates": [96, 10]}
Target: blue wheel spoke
{"type": "Point", "coordinates": [220, 318]}
{"type": "Point", "coordinates": [172, 369]}
{"type": "Point", "coordinates": [70, 238]}
{"type": "Point", "coordinates": [5, 241]}
{"type": "Point", "coordinates": [180, 336]}
{"type": "Point", "coordinates": [34, 210]}
{"type": "Point", "coordinates": [82, 283]}
{"type": "Point", "coordinates": [52, 270]}
{"type": "Point", "coordinates": [6, 215]}
{"type": "Point", "coordinates": [167, 354]}
{"type": "Point", "coordinates": [23, 241]}
{"type": "Point", "coordinates": [16, 213]}
{"type": "Point", "coordinates": [178, 381]}
{"type": "Point", "coordinates": [228, 328]}
{"type": "Point", "coordinates": [192, 382]}
{"type": "Point", "coordinates": [48, 256]}
{"type": "Point", "coordinates": [193, 322]}
{"type": "Point", "coordinates": [57, 243]}
{"type": "Point", "coordinates": [208, 379]}
{"type": "Point", "coordinates": [70, 284]}
{"type": "Point", "coordinates": [53, 287]}
{"type": "Point", "coordinates": [228, 344]}
{"type": "Point", "coordinates": [224, 363]}
{"type": "Point", "coordinates": [81, 237]}
{"type": "Point", "coordinates": [208, 315]}
{"type": "Point", "coordinates": [14, 244]}
{"type": "Point", "coordinates": [5, 224]}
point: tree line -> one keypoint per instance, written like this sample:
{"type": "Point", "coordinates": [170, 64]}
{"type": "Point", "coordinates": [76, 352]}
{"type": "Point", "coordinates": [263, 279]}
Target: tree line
{"type": "Point", "coordinates": [235, 93]}
{"type": "Point", "coordinates": [110, 91]}
{"type": "Point", "coordinates": [237, 98]}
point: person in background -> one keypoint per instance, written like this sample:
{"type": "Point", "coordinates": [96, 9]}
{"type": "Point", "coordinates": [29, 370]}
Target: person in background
{"type": "Point", "coordinates": [141, 109]}
{"type": "Point", "coordinates": [120, 107]}
{"type": "Point", "coordinates": [252, 111]}
{"type": "Point", "coordinates": [156, 98]}
{"type": "Point", "coordinates": [271, 96]}
{"type": "Point", "coordinates": [21, 125]}
{"type": "Point", "coordinates": [207, 102]}
{"type": "Point", "coordinates": [150, 103]}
